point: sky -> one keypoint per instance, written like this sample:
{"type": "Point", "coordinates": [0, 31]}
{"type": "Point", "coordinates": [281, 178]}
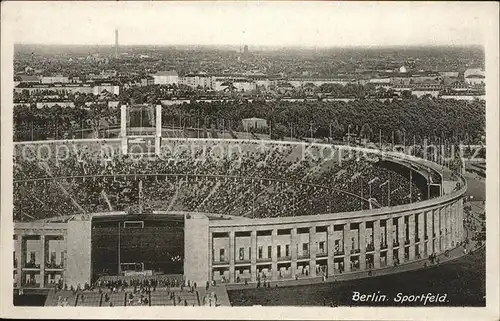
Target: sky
{"type": "Point", "coordinates": [277, 23]}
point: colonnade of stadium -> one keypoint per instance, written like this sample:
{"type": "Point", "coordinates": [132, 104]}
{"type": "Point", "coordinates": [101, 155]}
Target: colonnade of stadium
{"type": "Point", "coordinates": [235, 248]}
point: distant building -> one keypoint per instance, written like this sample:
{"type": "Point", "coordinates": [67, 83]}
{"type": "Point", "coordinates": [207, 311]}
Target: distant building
{"type": "Point", "coordinates": [380, 82]}
{"type": "Point", "coordinates": [475, 79]}
{"type": "Point", "coordinates": [197, 80]}
{"type": "Point", "coordinates": [109, 73]}
{"type": "Point", "coordinates": [300, 82]}
{"type": "Point", "coordinates": [57, 79]}
{"type": "Point", "coordinates": [166, 77]}
{"type": "Point", "coordinates": [113, 104]}
{"type": "Point", "coordinates": [474, 76]}
{"type": "Point", "coordinates": [249, 123]}
{"type": "Point", "coordinates": [244, 85]}
{"type": "Point", "coordinates": [103, 87]}
{"type": "Point", "coordinates": [402, 69]}
{"type": "Point", "coordinates": [474, 71]}
{"type": "Point", "coordinates": [29, 79]}
{"type": "Point", "coordinates": [419, 92]}
{"type": "Point", "coordinates": [233, 84]}
{"type": "Point", "coordinates": [450, 74]}
{"type": "Point", "coordinates": [147, 81]}
{"type": "Point", "coordinates": [49, 104]}
{"type": "Point", "coordinates": [75, 80]}
{"type": "Point", "coordinates": [96, 88]}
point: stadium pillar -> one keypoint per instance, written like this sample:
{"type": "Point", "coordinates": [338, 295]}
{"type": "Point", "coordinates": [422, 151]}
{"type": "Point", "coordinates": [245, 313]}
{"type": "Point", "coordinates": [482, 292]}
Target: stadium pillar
{"type": "Point", "coordinates": [429, 219]}
{"type": "Point", "coordinates": [313, 246]}
{"type": "Point", "coordinates": [401, 239]}
{"type": "Point", "coordinates": [78, 256]}
{"type": "Point", "coordinates": [158, 130]}
{"type": "Point", "coordinates": [421, 229]}
{"type": "Point", "coordinates": [231, 256]}
{"type": "Point", "coordinates": [460, 204]}
{"type": "Point", "coordinates": [197, 248]}
{"type": "Point", "coordinates": [435, 239]}
{"type": "Point", "coordinates": [455, 223]}
{"type": "Point", "coordinates": [448, 226]}
{"type": "Point", "coordinates": [42, 261]}
{"type": "Point", "coordinates": [388, 235]}
{"type": "Point", "coordinates": [253, 255]}
{"type": "Point", "coordinates": [18, 248]}
{"type": "Point", "coordinates": [458, 238]}
{"type": "Point", "coordinates": [330, 250]}
{"type": "Point", "coordinates": [210, 259]}
{"type": "Point", "coordinates": [347, 247]}
{"type": "Point", "coordinates": [362, 245]}
{"type": "Point", "coordinates": [411, 234]}
{"type": "Point", "coordinates": [376, 242]}
{"type": "Point", "coordinates": [442, 227]}
{"type": "Point", "coordinates": [293, 248]}
{"type": "Point", "coordinates": [451, 209]}
{"type": "Point", "coordinates": [274, 255]}
{"type": "Point", "coordinates": [459, 220]}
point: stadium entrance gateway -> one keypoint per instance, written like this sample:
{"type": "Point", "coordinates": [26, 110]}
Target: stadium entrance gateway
{"type": "Point", "coordinates": [140, 129]}
{"type": "Point", "coordinates": [137, 245]}
{"type": "Point", "coordinates": [143, 245]}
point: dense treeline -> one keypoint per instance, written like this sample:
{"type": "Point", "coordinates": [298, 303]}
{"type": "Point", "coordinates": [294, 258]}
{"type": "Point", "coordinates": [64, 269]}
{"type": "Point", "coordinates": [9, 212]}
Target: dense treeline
{"type": "Point", "coordinates": [427, 117]}
{"type": "Point", "coordinates": [424, 118]}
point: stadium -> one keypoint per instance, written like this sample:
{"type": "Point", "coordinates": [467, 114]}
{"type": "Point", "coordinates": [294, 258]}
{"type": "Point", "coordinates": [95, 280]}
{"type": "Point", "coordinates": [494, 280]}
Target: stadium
{"type": "Point", "coordinates": [171, 208]}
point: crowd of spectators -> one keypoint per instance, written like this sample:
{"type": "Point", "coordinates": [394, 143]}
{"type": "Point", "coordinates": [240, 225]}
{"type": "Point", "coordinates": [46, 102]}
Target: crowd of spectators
{"type": "Point", "coordinates": [252, 180]}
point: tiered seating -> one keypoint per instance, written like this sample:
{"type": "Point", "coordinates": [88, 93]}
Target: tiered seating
{"type": "Point", "coordinates": [182, 298]}
{"type": "Point", "coordinates": [60, 298]}
{"type": "Point", "coordinates": [116, 299]}
{"type": "Point", "coordinates": [252, 180]}
{"type": "Point", "coordinates": [89, 299]}
{"type": "Point", "coordinates": [161, 297]}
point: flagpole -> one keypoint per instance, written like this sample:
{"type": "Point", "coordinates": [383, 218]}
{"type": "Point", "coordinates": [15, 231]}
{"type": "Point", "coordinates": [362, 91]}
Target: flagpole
{"type": "Point", "coordinates": [410, 184]}
{"type": "Point", "coordinates": [253, 201]}
{"type": "Point", "coordinates": [389, 193]}
{"type": "Point", "coordinates": [380, 138]}
{"type": "Point", "coordinates": [361, 191]}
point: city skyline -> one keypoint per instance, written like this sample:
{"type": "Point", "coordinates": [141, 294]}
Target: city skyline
{"type": "Point", "coordinates": [253, 24]}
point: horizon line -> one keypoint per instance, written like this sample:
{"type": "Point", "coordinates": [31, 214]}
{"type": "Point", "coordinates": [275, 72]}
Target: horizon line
{"type": "Point", "coordinates": [260, 45]}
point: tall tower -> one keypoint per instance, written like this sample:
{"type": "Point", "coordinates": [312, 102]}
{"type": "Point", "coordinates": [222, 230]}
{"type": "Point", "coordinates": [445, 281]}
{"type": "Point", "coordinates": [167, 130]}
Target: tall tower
{"type": "Point", "coordinates": [116, 43]}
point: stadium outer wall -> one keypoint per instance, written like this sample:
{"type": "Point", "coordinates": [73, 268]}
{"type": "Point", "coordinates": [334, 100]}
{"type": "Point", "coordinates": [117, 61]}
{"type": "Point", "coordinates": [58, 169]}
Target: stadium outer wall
{"type": "Point", "coordinates": [275, 248]}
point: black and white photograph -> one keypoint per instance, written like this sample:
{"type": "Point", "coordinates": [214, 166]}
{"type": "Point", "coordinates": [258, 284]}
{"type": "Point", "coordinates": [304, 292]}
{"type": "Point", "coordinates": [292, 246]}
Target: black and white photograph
{"type": "Point", "coordinates": [250, 156]}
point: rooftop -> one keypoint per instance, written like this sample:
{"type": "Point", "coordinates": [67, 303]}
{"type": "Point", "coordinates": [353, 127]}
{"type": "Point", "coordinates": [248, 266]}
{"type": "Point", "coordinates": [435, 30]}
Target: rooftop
{"type": "Point", "coordinates": [167, 73]}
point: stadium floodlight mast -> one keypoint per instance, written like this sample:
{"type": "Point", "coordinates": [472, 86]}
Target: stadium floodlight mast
{"type": "Point", "coordinates": [388, 191]}
{"type": "Point", "coordinates": [380, 138]}
{"type": "Point", "coordinates": [348, 135]}
{"type": "Point", "coordinates": [370, 185]}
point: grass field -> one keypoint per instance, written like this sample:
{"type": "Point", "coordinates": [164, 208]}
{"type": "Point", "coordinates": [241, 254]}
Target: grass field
{"type": "Point", "coordinates": [463, 280]}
